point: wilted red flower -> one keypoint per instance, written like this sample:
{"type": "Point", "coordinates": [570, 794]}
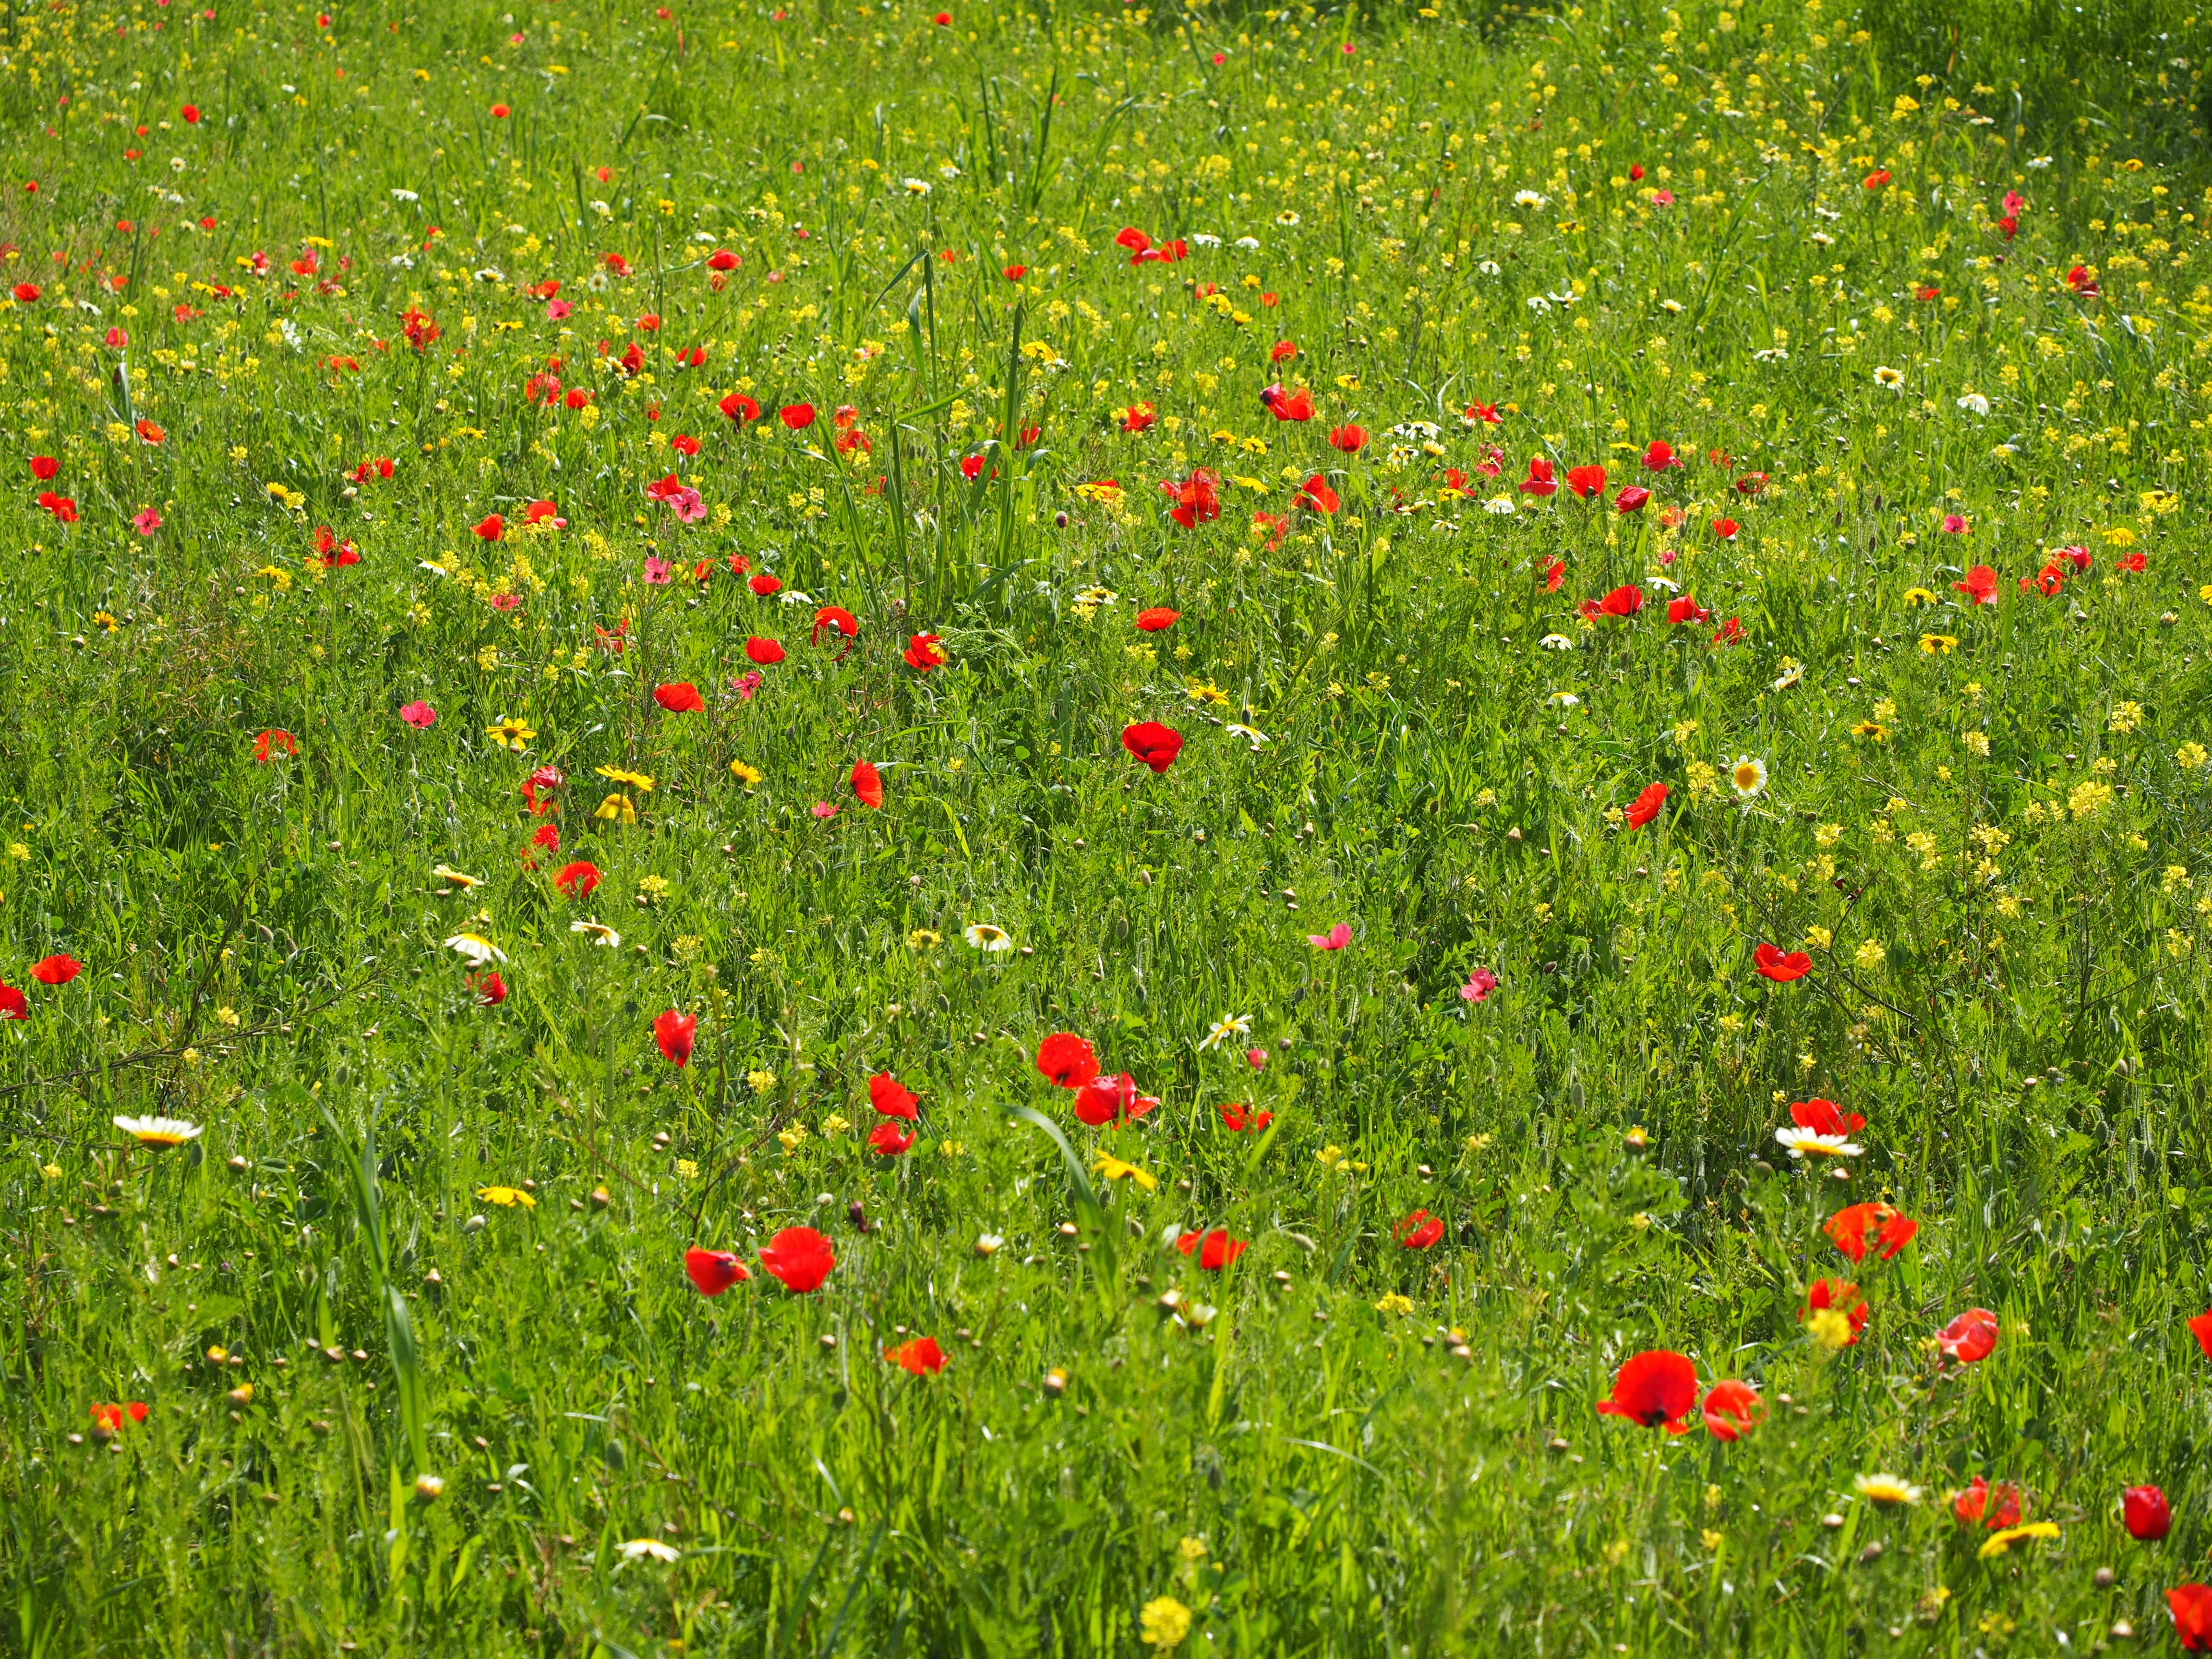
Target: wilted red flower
{"type": "Point", "coordinates": [1239, 1119]}
{"type": "Point", "coordinates": [1981, 1505]}
{"type": "Point", "coordinates": [1155, 745]}
{"type": "Point", "coordinates": [1066, 1059]}
{"type": "Point", "coordinates": [796, 418]}
{"type": "Point", "coordinates": [920, 1356]}
{"type": "Point", "coordinates": [680, 698]}
{"type": "Point", "coordinates": [1970, 1337]}
{"type": "Point", "coordinates": [1106, 1100]}
{"type": "Point", "coordinates": [1539, 480]}
{"type": "Point", "coordinates": [14, 1005]}
{"type": "Point", "coordinates": [1856, 1226]}
{"type": "Point", "coordinates": [578, 879]}
{"type": "Point", "coordinates": [1297, 405]}
{"type": "Point", "coordinates": [1687, 609]}
{"type": "Point", "coordinates": [56, 969]}
{"type": "Point", "coordinates": [1214, 1250]}
{"type": "Point", "coordinates": [1657, 1388]}
{"type": "Point", "coordinates": [1645, 807]}
{"type": "Point", "coordinates": [892, 1098]}
{"type": "Point", "coordinates": [1843, 1297]}
{"type": "Point", "coordinates": [867, 784]}
{"type": "Point", "coordinates": [800, 1259]}
{"type": "Point", "coordinates": [1779, 966]}
{"type": "Point", "coordinates": [1586, 481]}
{"type": "Point", "coordinates": [766, 653]}
{"type": "Point", "coordinates": [1751, 484]}
{"type": "Point", "coordinates": [1348, 438]}
{"type": "Point", "coordinates": [1418, 1231]}
{"type": "Point", "coordinates": [1156, 619]}
{"type": "Point", "coordinates": [673, 1032]}
{"type": "Point", "coordinates": [2147, 1515]}
{"type": "Point", "coordinates": [1315, 496]}
{"type": "Point", "coordinates": [274, 741]}
{"type": "Point", "coordinates": [923, 653]}
{"type": "Point", "coordinates": [888, 1140]}
{"type": "Point", "coordinates": [713, 1270]}
{"type": "Point", "coordinates": [1728, 633]}
{"type": "Point", "coordinates": [1733, 1410]}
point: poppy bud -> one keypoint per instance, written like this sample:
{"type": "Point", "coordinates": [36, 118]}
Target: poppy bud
{"type": "Point", "coordinates": [857, 1215]}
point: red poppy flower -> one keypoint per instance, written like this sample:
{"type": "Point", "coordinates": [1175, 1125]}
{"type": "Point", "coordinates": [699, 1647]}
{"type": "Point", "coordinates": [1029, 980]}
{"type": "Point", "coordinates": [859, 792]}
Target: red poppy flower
{"type": "Point", "coordinates": [1239, 1119]}
{"type": "Point", "coordinates": [490, 989]}
{"type": "Point", "coordinates": [1197, 498]}
{"type": "Point", "coordinates": [1728, 633]}
{"type": "Point", "coordinates": [1726, 529]}
{"type": "Point", "coordinates": [1645, 807]}
{"type": "Point", "coordinates": [1843, 1297]}
{"type": "Point", "coordinates": [2081, 283]}
{"type": "Point", "coordinates": [1214, 1250]}
{"type": "Point", "coordinates": [1138, 416]}
{"type": "Point", "coordinates": [796, 418]}
{"type": "Point", "coordinates": [887, 1139]}
{"type": "Point", "coordinates": [1418, 1231]}
{"type": "Point", "coordinates": [739, 408]}
{"type": "Point", "coordinates": [1066, 1059]}
{"type": "Point", "coordinates": [867, 785]}
{"type": "Point", "coordinates": [491, 527]}
{"type": "Point", "coordinates": [673, 1032]}
{"type": "Point", "coordinates": [1348, 438]}
{"type": "Point", "coordinates": [1631, 499]}
{"type": "Point", "coordinates": [943, 19]}
{"type": "Point", "coordinates": [923, 653]}
{"type": "Point", "coordinates": [1315, 496]}
{"type": "Point", "coordinates": [1779, 966]}
{"type": "Point", "coordinates": [1733, 1410]}
{"type": "Point", "coordinates": [891, 1098]}
{"type": "Point", "coordinates": [1297, 405]}
{"type": "Point", "coordinates": [1282, 352]}
{"type": "Point", "coordinates": [1925, 293]}
{"type": "Point", "coordinates": [766, 653]}
{"type": "Point", "coordinates": [1852, 1228]}
{"type": "Point", "coordinates": [1555, 573]}
{"type": "Point", "coordinates": [838, 620]}
{"type": "Point", "coordinates": [680, 698]}
{"type": "Point", "coordinates": [191, 114]}
{"type": "Point", "coordinates": [722, 259]}
{"type": "Point", "coordinates": [43, 468]}
{"type": "Point", "coordinates": [1982, 1504]}
{"type": "Point", "coordinates": [684, 445]}
{"type": "Point", "coordinates": [2191, 1606]}
{"type": "Point", "coordinates": [2201, 1328]}
{"type": "Point", "coordinates": [1876, 179]}
{"type": "Point", "coordinates": [800, 1259]}
{"type": "Point", "coordinates": [26, 292]}
{"type": "Point", "coordinates": [2147, 1515]}
{"type": "Point", "coordinates": [14, 1005]}
{"type": "Point", "coordinates": [111, 1417]}
{"type": "Point", "coordinates": [1970, 1337]}
{"type": "Point", "coordinates": [1661, 456]}
{"type": "Point", "coordinates": [2008, 227]}
{"type": "Point", "coordinates": [56, 969]}
{"type": "Point", "coordinates": [1487, 413]}
{"type": "Point", "coordinates": [1106, 1100]}
{"type": "Point", "coordinates": [971, 467]}
{"type": "Point", "coordinates": [1658, 1387]}
{"type": "Point", "coordinates": [713, 1270]}
{"type": "Point", "coordinates": [63, 507]}
{"type": "Point", "coordinates": [764, 583]}
{"type": "Point", "coordinates": [1586, 481]}
{"type": "Point", "coordinates": [1015, 273]}
{"type": "Point", "coordinates": [1157, 619]}
{"type": "Point", "coordinates": [1825, 1117]}
{"type": "Point", "coordinates": [1687, 609]}
{"type": "Point", "coordinates": [1155, 745]}
{"type": "Point", "coordinates": [1751, 484]}
{"type": "Point", "coordinates": [1624, 601]}
{"type": "Point", "coordinates": [1980, 585]}
{"type": "Point", "coordinates": [1539, 480]}
{"type": "Point", "coordinates": [578, 879]}
{"type": "Point", "coordinates": [920, 1356]}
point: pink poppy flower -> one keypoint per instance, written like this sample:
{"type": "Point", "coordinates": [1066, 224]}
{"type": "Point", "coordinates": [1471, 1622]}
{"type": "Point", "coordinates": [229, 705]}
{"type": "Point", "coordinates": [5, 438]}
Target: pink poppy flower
{"type": "Point", "coordinates": [1480, 984]}
{"type": "Point", "coordinates": [658, 570]}
{"type": "Point", "coordinates": [1335, 940]}
{"type": "Point", "coordinates": [419, 714]}
{"type": "Point", "coordinates": [146, 521]}
{"type": "Point", "coordinates": [822, 809]}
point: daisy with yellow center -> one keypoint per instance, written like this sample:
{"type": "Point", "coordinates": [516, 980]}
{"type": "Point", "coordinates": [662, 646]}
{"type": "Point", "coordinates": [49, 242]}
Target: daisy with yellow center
{"type": "Point", "coordinates": [476, 948]}
{"type": "Point", "coordinates": [599, 932]}
{"type": "Point", "coordinates": [1811, 1143]}
{"type": "Point", "coordinates": [1748, 775]}
{"type": "Point", "coordinates": [158, 1131]}
{"type": "Point", "coordinates": [987, 936]}
{"type": "Point", "coordinates": [1888, 1491]}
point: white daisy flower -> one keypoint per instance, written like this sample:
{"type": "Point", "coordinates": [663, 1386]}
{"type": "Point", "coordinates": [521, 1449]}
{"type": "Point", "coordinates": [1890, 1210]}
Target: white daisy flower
{"type": "Point", "coordinates": [1811, 1143]}
{"type": "Point", "coordinates": [1887, 1490]}
{"type": "Point", "coordinates": [159, 1131]}
{"type": "Point", "coordinates": [1249, 733]}
{"type": "Point", "coordinates": [648, 1549]}
{"type": "Point", "coordinates": [1748, 775]}
{"type": "Point", "coordinates": [445, 872]}
{"type": "Point", "coordinates": [1974, 404]}
{"type": "Point", "coordinates": [1228, 1026]}
{"type": "Point", "coordinates": [1529, 198]}
{"type": "Point", "coordinates": [1556, 642]}
{"type": "Point", "coordinates": [1891, 380]}
{"type": "Point", "coordinates": [476, 948]}
{"type": "Point", "coordinates": [600, 933]}
{"type": "Point", "coordinates": [987, 936]}
{"type": "Point", "coordinates": [1501, 505]}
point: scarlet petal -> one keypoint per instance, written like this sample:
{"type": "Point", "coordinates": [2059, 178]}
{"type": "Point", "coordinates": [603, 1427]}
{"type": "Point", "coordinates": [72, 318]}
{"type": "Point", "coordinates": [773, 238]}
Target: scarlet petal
{"type": "Point", "coordinates": [799, 1258]}
{"type": "Point", "coordinates": [713, 1270]}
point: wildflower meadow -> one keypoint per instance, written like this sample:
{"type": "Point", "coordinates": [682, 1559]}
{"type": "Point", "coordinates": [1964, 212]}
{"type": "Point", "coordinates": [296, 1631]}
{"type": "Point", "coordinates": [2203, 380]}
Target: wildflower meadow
{"type": "Point", "coordinates": [1148, 829]}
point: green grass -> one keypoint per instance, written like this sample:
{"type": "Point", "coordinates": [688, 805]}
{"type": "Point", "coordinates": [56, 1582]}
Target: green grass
{"type": "Point", "coordinates": [1337, 1445]}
